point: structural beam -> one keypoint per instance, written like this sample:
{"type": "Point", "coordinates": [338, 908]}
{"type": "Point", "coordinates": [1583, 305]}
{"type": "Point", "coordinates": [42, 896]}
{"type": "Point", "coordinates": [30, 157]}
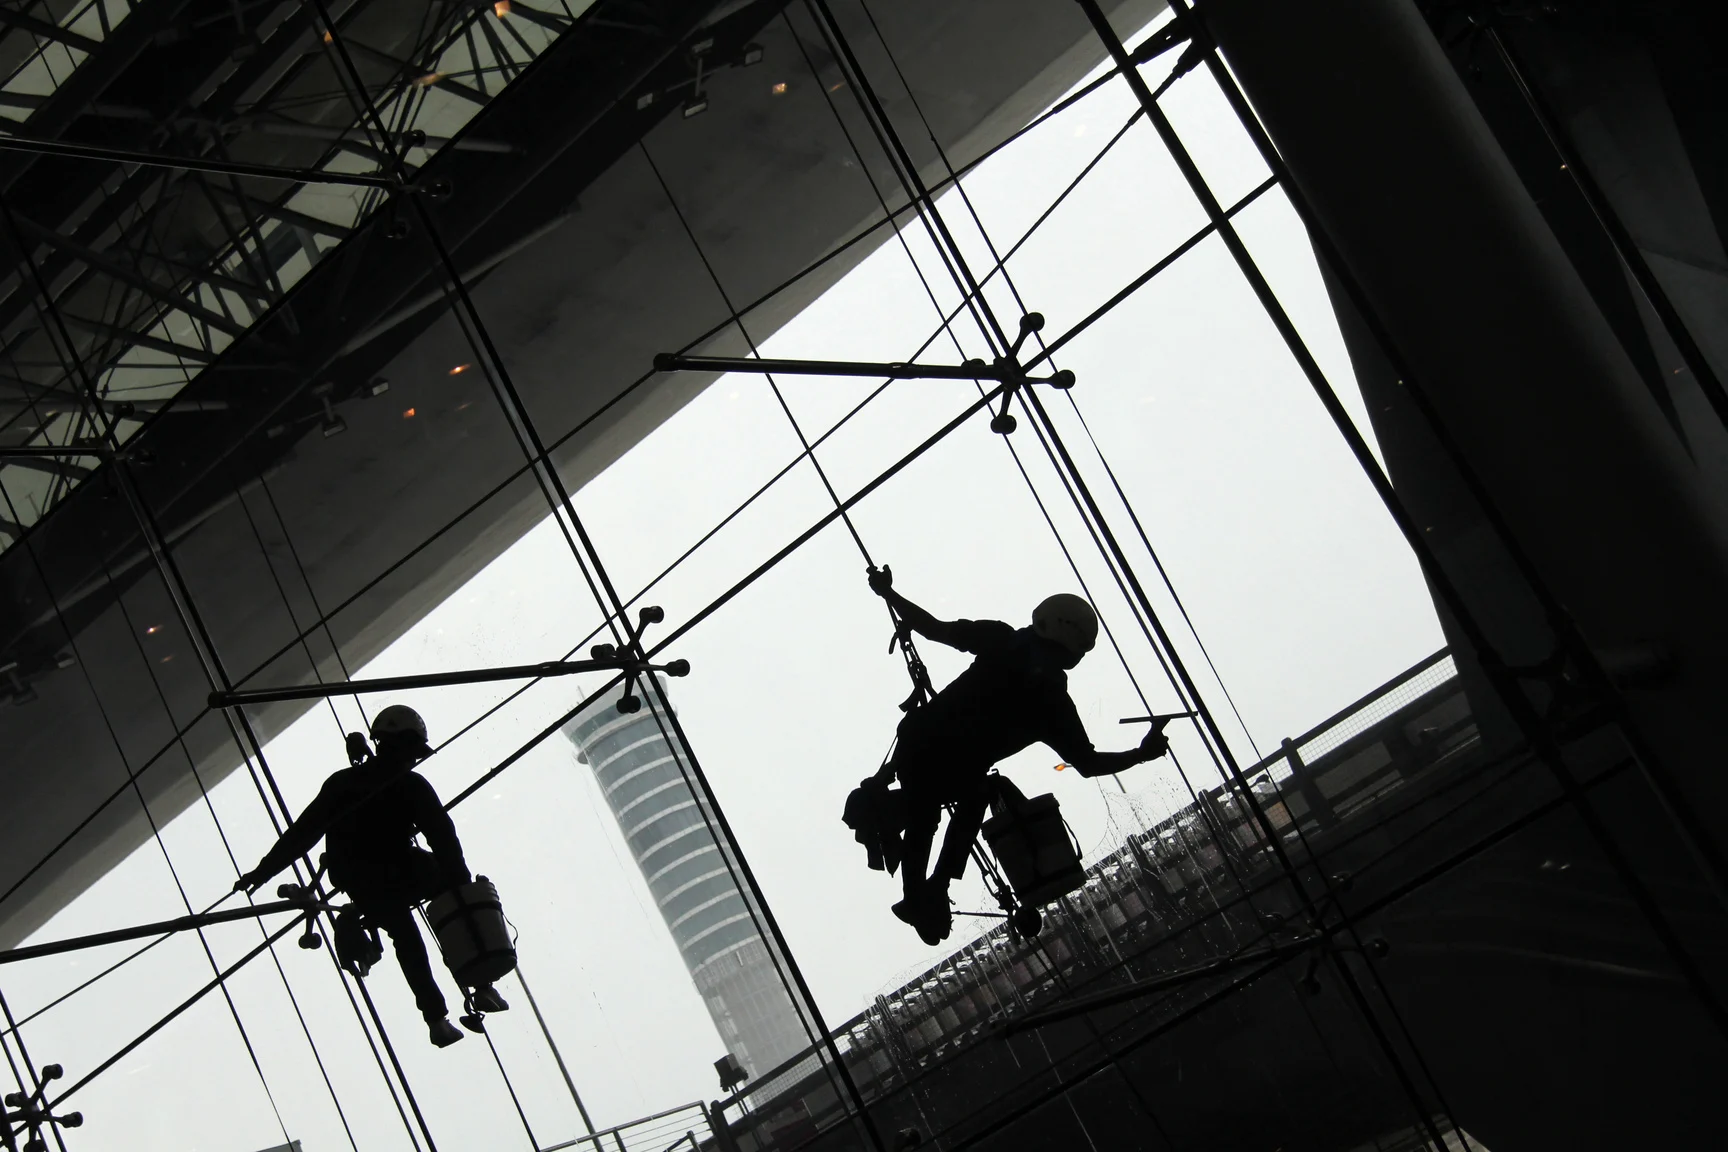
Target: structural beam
{"type": "Point", "coordinates": [971, 370]}
{"type": "Point", "coordinates": [159, 928]}
{"type": "Point", "coordinates": [24, 22]}
{"type": "Point", "coordinates": [243, 696]}
{"type": "Point", "coordinates": [1599, 499]}
{"type": "Point", "coordinates": [103, 155]}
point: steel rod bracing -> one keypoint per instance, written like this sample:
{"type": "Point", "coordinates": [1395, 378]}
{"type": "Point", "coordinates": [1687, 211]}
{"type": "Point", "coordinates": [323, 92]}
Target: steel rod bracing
{"type": "Point", "coordinates": [27, 451]}
{"type": "Point", "coordinates": [601, 586]}
{"type": "Point", "coordinates": [214, 983]}
{"type": "Point", "coordinates": [159, 928]}
{"type": "Point", "coordinates": [954, 259]}
{"type": "Point", "coordinates": [976, 370]}
{"type": "Point", "coordinates": [192, 164]}
{"type": "Point", "coordinates": [242, 696]}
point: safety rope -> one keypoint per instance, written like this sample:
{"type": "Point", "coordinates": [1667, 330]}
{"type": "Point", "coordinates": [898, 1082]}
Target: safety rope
{"type": "Point", "coordinates": [947, 327]}
{"type": "Point", "coordinates": [967, 293]}
{"type": "Point", "coordinates": [1188, 61]}
{"type": "Point", "coordinates": [1000, 265]}
{"type": "Point", "coordinates": [915, 669]}
{"type": "Point", "coordinates": [1035, 409]}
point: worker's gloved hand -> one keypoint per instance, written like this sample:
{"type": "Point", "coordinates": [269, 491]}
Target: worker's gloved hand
{"type": "Point", "coordinates": [1154, 745]}
{"type": "Point", "coordinates": [881, 579]}
{"type": "Point", "coordinates": [250, 882]}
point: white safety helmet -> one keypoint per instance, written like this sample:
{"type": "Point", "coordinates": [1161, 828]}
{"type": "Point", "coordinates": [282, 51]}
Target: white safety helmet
{"type": "Point", "coordinates": [1067, 620]}
{"type": "Point", "coordinates": [398, 722]}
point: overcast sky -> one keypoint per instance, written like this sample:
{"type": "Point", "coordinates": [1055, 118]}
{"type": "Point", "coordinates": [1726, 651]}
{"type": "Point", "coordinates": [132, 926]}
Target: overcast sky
{"type": "Point", "coordinates": [1293, 575]}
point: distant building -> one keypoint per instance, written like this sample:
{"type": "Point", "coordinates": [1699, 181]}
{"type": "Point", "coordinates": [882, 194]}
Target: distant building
{"type": "Point", "coordinates": [709, 920]}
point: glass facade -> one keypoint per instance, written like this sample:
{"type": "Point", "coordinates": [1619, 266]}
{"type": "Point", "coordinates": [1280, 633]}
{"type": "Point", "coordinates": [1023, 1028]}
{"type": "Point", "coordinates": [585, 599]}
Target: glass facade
{"type": "Point", "coordinates": [693, 885]}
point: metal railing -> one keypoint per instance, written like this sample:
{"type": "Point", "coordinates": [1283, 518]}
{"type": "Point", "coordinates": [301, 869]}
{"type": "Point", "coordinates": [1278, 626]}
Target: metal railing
{"type": "Point", "coordinates": [683, 1127]}
{"type": "Point", "coordinates": [1163, 885]}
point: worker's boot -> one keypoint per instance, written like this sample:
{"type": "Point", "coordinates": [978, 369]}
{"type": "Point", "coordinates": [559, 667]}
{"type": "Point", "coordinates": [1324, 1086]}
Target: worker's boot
{"type": "Point", "coordinates": [911, 910]}
{"type": "Point", "coordinates": [443, 1032]}
{"type": "Point", "coordinates": [927, 911]}
{"type": "Point", "coordinates": [935, 918]}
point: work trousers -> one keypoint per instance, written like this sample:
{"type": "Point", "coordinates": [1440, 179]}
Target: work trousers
{"type": "Point", "coordinates": [387, 899]}
{"type": "Point", "coordinates": [931, 780]}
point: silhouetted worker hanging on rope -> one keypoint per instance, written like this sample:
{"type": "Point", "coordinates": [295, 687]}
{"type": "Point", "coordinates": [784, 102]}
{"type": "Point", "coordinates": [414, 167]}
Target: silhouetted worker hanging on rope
{"type": "Point", "coordinates": [368, 815]}
{"type": "Point", "coordinates": [1014, 695]}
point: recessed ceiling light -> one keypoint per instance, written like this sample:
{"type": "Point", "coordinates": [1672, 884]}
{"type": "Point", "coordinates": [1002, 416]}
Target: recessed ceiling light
{"type": "Point", "coordinates": [501, 9]}
{"type": "Point", "coordinates": [779, 89]}
{"type": "Point", "coordinates": [153, 629]}
{"type": "Point", "coordinates": [459, 369]}
{"type": "Point", "coordinates": [408, 415]}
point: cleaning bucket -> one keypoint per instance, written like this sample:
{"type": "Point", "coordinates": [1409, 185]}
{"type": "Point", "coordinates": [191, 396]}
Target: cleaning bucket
{"type": "Point", "coordinates": [469, 923]}
{"type": "Point", "coordinates": [1031, 842]}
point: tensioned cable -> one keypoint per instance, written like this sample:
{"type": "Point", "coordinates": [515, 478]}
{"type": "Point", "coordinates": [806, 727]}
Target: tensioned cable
{"type": "Point", "coordinates": [600, 583]}
{"type": "Point", "coordinates": [240, 729]}
{"type": "Point", "coordinates": [481, 501]}
{"type": "Point", "coordinates": [155, 829]}
{"type": "Point", "coordinates": [711, 272]}
{"type": "Point", "coordinates": [958, 184]}
{"type": "Point", "coordinates": [1034, 406]}
{"type": "Point", "coordinates": [903, 634]}
{"type": "Point", "coordinates": [29, 1065]}
{"type": "Point", "coordinates": [809, 269]}
{"type": "Point", "coordinates": [222, 834]}
{"type": "Point", "coordinates": [1000, 265]}
{"type": "Point", "coordinates": [915, 666]}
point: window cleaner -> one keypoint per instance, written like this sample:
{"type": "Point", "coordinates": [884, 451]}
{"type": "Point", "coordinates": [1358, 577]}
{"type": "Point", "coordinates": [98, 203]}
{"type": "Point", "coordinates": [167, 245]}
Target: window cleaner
{"type": "Point", "coordinates": [1014, 695]}
{"type": "Point", "coordinates": [368, 815]}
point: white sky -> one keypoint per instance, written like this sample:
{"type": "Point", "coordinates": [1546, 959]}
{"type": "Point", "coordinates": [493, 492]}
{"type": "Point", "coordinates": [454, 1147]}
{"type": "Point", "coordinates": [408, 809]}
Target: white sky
{"type": "Point", "coordinates": [1294, 577]}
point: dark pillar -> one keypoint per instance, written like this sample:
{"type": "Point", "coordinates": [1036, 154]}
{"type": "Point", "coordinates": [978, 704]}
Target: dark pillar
{"type": "Point", "coordinates": [1426, 213]}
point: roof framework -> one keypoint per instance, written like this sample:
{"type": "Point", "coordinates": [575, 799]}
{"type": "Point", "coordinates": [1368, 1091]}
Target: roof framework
{"type": "Point", "coordinates": [175, 242]}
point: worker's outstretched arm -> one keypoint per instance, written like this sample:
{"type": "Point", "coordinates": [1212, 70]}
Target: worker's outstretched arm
{"type": "Point", "coordinates": [440, 831]}
{"type": "Point", "coordinates": [298, 840]}
{"type": "Point", "coordinates": [1071, 742]}
{"type": "Point", "coordinates": [914, 617]}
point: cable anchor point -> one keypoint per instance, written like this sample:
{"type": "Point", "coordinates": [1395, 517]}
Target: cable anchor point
{"type": "Point", "coordinates": [635, 667]}
{"type": "Point", "coordinates": [32, 1111]}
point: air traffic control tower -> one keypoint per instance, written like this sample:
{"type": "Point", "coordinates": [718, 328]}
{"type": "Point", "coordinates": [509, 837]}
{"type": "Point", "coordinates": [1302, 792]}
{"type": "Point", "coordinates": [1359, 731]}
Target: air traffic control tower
{"type": "Point", "coordinates": [681, 861]}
